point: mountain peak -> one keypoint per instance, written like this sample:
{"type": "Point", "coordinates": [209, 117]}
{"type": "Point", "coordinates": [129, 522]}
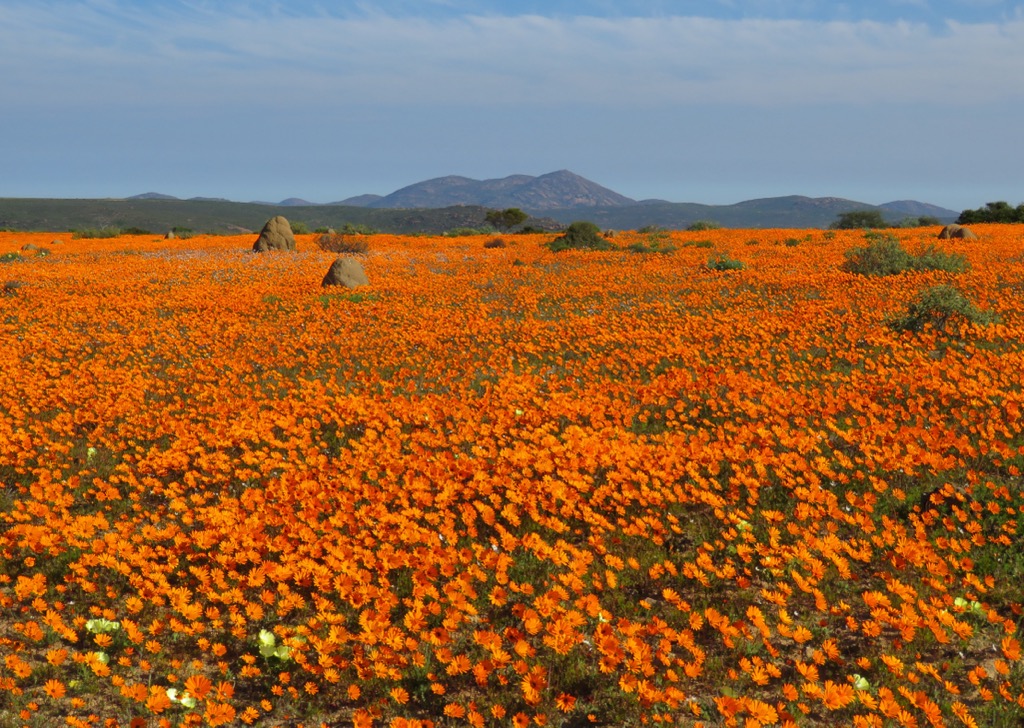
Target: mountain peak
{"type": "Point", "coordinates": [546, 192]}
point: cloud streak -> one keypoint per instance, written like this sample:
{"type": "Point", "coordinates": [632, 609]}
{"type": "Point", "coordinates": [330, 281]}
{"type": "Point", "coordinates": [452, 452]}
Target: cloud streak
{"type": "Point", "coordinates": [113, 53]}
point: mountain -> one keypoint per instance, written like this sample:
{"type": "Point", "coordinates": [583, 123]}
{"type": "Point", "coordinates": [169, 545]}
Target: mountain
{"type": "Point", "coordinates": [295, 202]}
{"type": "Point", "coordinates": [913, 208]}
{"type": "Point", "coordinates": [794, 211]}
{"type": "Point", "coordinates": [359, 201]}
{"type": "Point", "coordinates": [555, 190]}
{"type": "Point", "coordinates": [152, 196]}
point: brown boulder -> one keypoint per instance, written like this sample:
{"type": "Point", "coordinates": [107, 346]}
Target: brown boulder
{"type": "Point", "coordinates": [956, 231]}
{"type": "Point", "coordinates": [275, 235]}
{"type": "Point", "coordinates": [347, 272]}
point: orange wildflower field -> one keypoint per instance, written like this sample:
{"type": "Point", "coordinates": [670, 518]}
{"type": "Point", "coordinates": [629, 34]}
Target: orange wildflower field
{"type": "Point", "coordinates": [507, 486]}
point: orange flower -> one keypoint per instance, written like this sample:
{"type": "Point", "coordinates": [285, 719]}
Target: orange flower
{"type": "Point", "coordinates": [55, 689]}
{"type": "Point", "coordinates": [198, 686]}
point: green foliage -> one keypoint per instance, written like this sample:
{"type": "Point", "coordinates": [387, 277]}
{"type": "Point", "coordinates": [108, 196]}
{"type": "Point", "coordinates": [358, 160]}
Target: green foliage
{"type": "Point", "coordinates": [351, 229]}
{"type": "Point", "coordinates": [937, 307]}
{"type": "Point", "coordinates": [11, 257]}
{"type": "Point", "coordinates": [993, 212]}
{"type": "Point", "coordinates": [724, 262]}
{"type": "Point", "coordinates": [921, 221]}
{"type": "Point", "coordinates": [657, 240]}
{"type": "Point", "coordinates": [581, 235]}
{"type": "Point", "coordinates": [651, 247]}
{"type": "Point", "coordinates": [90, 233]}
{"type": "Point", "coordinates": [700, 244]}
{"type": "Point", "coordinates": [859, 219]}
{"type": "Point", "coordinates": [933, 258]}
{"type": "Point", "coordinates": [884, 255]}
{"type": "Point", "coordinates": [463, 232]}
{"type": "Point", "coordinates": [506, 219]}
{"type": "Point", "coordinates": [701, 225]}
{"type": "Point", "coordinates": [299, 228]}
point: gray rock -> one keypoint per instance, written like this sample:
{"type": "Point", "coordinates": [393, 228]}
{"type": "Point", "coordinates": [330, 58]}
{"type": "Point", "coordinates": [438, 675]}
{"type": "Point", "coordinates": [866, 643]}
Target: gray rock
{"type": "Point", "coordinates": [275, 235]}
{"type": "Point", "coordinates": [956, 231]}
{"type": "Point", "coordinates": [347, 272]}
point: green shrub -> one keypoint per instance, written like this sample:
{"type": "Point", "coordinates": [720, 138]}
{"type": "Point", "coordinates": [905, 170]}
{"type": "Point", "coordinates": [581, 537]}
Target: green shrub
{"type": "Point", "coordinates": [936, 307]}
{"type": "Point", "coordinates": [724, 262]}
{"type": "Point", "coordinates": [351, 229]}
{"type": "Point", "coordinates": [299, 228]}
{"type": "Point", "coordinates": [698, 244]}
{"type": "Point", "coordinates": [462, 232]}
{"type": "Point", "coordinates": [581, 235]}
{"type": "Point", "coordinates": [11, 257]}
{"type": "Point", "coordinates": [859, 219]}
{"type": "Point", "coordinates": [932, 258]}
{"type": "Point", "coordinates": [701, 225]}
{"type": "Point", "coordinates": [496, 243]}
{"type": "Point", "coordinates": [506, 219]}
{"type": "Point", "coordinates": [136, 231]}
{"type": "Point", "coordinates": [651, 247]}
{"type": "Point", "coordinates": [89, 233]}
{"type": "Point", "coordinates": [884, 255]}
{"type": "Point", "coordinates": [921, 221]}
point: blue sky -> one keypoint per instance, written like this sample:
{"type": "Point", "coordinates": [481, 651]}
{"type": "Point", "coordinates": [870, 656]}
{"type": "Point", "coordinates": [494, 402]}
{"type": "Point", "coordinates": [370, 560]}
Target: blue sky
{"type": "Point", "coordinates": [714, 101]}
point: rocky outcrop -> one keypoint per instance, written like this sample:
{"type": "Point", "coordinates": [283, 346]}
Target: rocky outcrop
{"type": "Point", "coordinates": [275, 235]}
{"type": "Point", "coordinates": [956, 231]}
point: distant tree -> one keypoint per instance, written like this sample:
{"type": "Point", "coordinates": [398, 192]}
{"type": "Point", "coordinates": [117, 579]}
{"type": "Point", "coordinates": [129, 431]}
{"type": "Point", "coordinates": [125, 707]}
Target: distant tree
{"type": "Point", "coordinates": [992, 212]}
{"type": "Point", "coordinates": [857, 219]}
{"type": "Point", "coordinates": [506, 219]}
{"type": "Point", "coordinates": [922, 221]}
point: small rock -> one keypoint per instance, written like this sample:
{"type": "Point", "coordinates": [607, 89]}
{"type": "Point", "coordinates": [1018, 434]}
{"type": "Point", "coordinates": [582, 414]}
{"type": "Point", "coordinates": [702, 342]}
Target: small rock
{"type": "Point", "coordinates": [347, 272]}
{"type": "Point", "coordinates": [957, 231]}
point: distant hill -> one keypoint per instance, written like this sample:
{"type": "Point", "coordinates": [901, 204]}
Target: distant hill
{"type": "Point", "coordinates": [443, 203]}
{"type": "Point", "coordinates": [160, 215]}
{"type": "Point", "coordinates": [793, 211]}
{"type": "Point", "coordinates": [913, 208]}
{"type": "Point", "coordinates": [152, 196]}
{"type": "Point", "coordinates": [555, 190]}
{"type": "Point", "coordinates": [359, 201]}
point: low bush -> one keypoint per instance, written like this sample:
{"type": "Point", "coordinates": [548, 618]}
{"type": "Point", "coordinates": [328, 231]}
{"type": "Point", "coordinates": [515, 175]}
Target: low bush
{"type": "Point", "coordinates": [724, 262]}
{"type": "Point", "coordinates": [884, 255]}
{"type": "Point", "coordinates": [859, 219]}
{"type": "Point", "coordinates": [701, 225]}
{"type": "Point", "coordinates": [89, 233]}
{"type": "Point", "coordinates": [581, 235]}
{"type": "Point", "coordinates": [343, 243]}
{"type": "Point", "coordinates": [496, 243]}
{"type": "Point", "coordinates": [937, 307]}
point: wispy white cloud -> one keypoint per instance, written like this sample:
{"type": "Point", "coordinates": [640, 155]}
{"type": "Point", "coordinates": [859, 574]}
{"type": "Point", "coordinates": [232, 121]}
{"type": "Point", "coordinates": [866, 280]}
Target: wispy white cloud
{"type": "Point", "coordinates": [120, 53]}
